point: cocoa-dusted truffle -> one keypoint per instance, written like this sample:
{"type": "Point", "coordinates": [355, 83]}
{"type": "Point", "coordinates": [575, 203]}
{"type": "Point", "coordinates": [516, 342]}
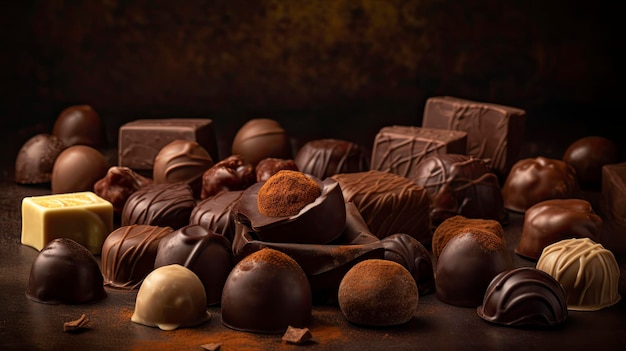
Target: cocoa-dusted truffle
{"type": "Point", "coordinates": [524, 297]}
{"type": "Point", "coordinates": [65, 272]}
{"type": "Point", "coordinates": [78, 168]}
{"type": "Point", "coordinates": [215, 213]}
{"type": "Point", "coordinates": [182, 161]}
{"type": "Point", "coordinates": [164, 205]}
{"type": "Point", "coordinates": [34, 161]}
{"type": "Point", "coordinates": [80, 125]}
{"type": "Point", "coordinates": [231, 173]}
{"type": "Point", "coordinates": [378, 293]}
{"type": "Point", "coordinates": [550, 221]}
{"type": "Point", "coordinates": [128, 254]}
{"type": "Point", "coordinates": [266, 292]}
{"type": "Point", "coordinates": [261, 138]}
{"type": "Point", "coordinates": [587, 271]}
{"type": "Point", "coordinates": [118, 184]}
{"type": "Point", "coordinates": [587, 155]}
{"type": "Point", "coordinates": [460, 185]}
{"type": "Point", "coordinates": [205, 253]}
{"type": "Point", "coordinates": [533, 180]}
{"type": "Point", "coordinates": [267, 167]}
{"type": "Point", "coordinates": [286, 193]}
{"type": "Point", "coordinates": [457, 225]}
{"type": "Point", "coordinates": [326, 157]}
{"type": "Point", "coordinates": [412, 255]}
{"type": "Point", "coordinates": [467, 265]}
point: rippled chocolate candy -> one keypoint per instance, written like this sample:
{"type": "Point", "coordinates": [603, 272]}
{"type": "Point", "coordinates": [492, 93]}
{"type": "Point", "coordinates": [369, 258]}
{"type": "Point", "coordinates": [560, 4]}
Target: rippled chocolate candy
{"type": "Point", "coordinates": [326, 157]}
{"type": "Point", "coordinates": [164, 205]}
{"type": "Point", "coordinates": [267, 167]}
{"type": "Point", "coordinates": [261, 138]}
{"type": "Point", "coordinates": [65, 272]}
{"type": "Point", "coordinates": [118, 184]}
{"type": "Point", "coordinates": [524, 297]}
{"type": "Point", "coordinates": [80, 125]}
{"type": "Point", "coordinates": [587, 155]}
{"type": "Point", "coordinates": [35, 159]}
{"type": "Point", "coordinates": [412, 255]}
{"type": "Point", "coordinates": [78, 168]}
{"type": "Point", "coordinates": [215, 213]}
{"type": "Point", "coordinates": [231, 173]}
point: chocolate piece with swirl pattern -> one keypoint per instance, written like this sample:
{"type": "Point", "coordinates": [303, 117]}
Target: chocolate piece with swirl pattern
{"type": "Point", "coordinates": [164, 205]}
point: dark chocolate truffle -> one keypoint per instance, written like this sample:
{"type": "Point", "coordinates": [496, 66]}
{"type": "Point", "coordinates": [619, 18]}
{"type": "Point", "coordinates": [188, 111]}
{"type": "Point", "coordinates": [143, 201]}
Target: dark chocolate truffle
{"type": "Point", "coordinates": [467, 265]}
{"type": "Point", "coordinates": [524, 297]}
{"type": "Point", "coordinates": [550, 221]}
{"type": "Point", "coordinates": [78, 168]}
{"type": "Point", "coordinates": [266, 292]}
{"type": "Point", "coordinates": [118, 184]}
{"type": "Point", "coordinates": [205, 253]}
{"type": "Point", "coordinates": [457, 225]}
{"type": "Point", "coordinates": [182, 161]}
{"type": "Point", "coordinates": [267, 167]}
{"type": "Point", "coordinates": [261, 138]}
{"type": "Point", "coordinates": [460, 185]}
{"type": "Point", "coordinates": [412, 255]}
{"type": "Point", "coordinates": [231, 173]}
{"type": "Point", "coordinates": [65, 272]}
{"type": "Point", "coordinates": [533, 180]}
{"type": "Point", "coordinates": [286, 193]}
{"type": "Point", "coordinates": [163, 205]}
{"type": "Point", "coordinates": [80, 125]}
{"type": "Point", "coordinates": [128, 254]}
{"type": "Point", "coordinates": [378, 293]}
{"type": "Point", "coordinates": [35, 159]}
{"type": "Point", "coordinates": [326, 157]}
{"type": "Point", "coordinates": [214, 213]}
{"type": "Point", "coordinates": [587, 155]}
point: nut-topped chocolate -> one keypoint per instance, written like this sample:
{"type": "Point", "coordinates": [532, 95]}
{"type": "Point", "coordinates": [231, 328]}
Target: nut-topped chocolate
{"type": "Point", "coordinates": [326, 157]}
{"type": "Point", "coordinates": [182, 161]}
{"type": "Point", "coordinates": [118, 184]}
{"type": "Point", "coordinates": [35, 160]}
{"type": "Point", "coordinates": [164, 205]}
{"type": "Point", "coordinates": [231, 173]}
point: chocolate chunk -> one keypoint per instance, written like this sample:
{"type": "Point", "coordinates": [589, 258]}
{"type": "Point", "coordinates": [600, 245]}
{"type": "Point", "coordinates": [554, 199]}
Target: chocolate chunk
{"type": "Point", "coordinates": [76, 325]}
{"type": "Point", "coordinates": [35, 159]}
{"type": "Point", "coordinates": [297, 335]}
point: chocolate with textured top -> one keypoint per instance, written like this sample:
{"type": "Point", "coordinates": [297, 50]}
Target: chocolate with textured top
{"type": "Point", "coordinates": [80, 125]}
{"type": "Point", "coordinates": [267, 167]}
{"type": "Point", "coordinates": [553, 220]}
{"type": "Point", "coordinates": [35, 160]}
{"type": "Point", "coordinates": [326, 157]}
{"type": "Point", "coordinates": [118, 184]}
{"type": "Point", "coordinates": [231, 173]}
{"type": "Point", "coordinates": [495, 133]}
{"type": "Point", "coordinates": [214, 213]}
{"type": "Point", "coordinates": [128, 254]}
{"type": "Point", "coordinates": [182, 161]}
{"type": "Point", "coordinates": [78, 168]}
{"type": "Point", "coordinates": [613, 207]}
{"type": "Point", "coordinates": [65, 272]}
{"type": "Point", "coordinates": [261, 138]}
{"type": "Point", "coordinates": [164, 205]}
{"type": "Point", "coordinates": [524, 297]}
{"type": "Point", "coordinates": [587, 155]}
{"type": "Point", "coordinates": [458, 225]}
{"type": "Point", "coordinates": [399, 149]}
{"type": "Point", "coordinates": [412, 255]}
{"type": "Point", "coordinates": [389, 203]}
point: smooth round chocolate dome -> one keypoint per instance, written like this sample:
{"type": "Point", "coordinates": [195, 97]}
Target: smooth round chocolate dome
{"type": "Point", "coordinates": [378, 293]}
{"type": "Point", "coordinates": [35, 160]}
{"type": "Point", "coordinates": [78, 168]}
{"type": "Point", "coordinates": [261, 138]}
{"type": "Point", "coordinates": [588, 154]}
{"type": "Point", "coordinates": [286, 193]}
{"type": "Point", "coordinates": [266, 292]}
{"type": "Point", "coordinates": [65, 272]}
{"type": "Point", "coordinates": [80, 125]}
{"type": "Point", "coordinates": [171, 297]}
{"type": "Point", "coordinates": [524, 297]}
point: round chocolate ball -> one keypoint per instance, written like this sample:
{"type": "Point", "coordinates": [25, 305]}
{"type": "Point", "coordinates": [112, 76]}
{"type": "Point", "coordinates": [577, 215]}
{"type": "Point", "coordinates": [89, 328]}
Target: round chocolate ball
{"type": "Point", "coordinates": [286, 193]}
{"type": "Point", "coordinates": [36, 158]}
{"type": "Point", "coordinates": [588, 154]}
{"type": "Point", "coordinates": [80, 125]}
{"type": "Point", "coordinates": [261, 138]}
{"type": "Point", "coordinates": [78, 168]}
{"type": "Point", "coordinates": [182, 161]}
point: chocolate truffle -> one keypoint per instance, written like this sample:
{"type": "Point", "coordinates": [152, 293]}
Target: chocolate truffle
{"type": "Point", "coordinates": [231, 173]}
{"type": "Point", "coordinates": [182, 161]}
{"type": "Point", "coordinates": [286, 193]}
{"type": "Point", "coordinates": [266, 292]}
{"type": "Point", "coordinates": [118, 184]}
{"type": "Point", "coordinates": [412, 255]}
{"type": "Point", "coordinates": [389, 203]}
{"type": "Point", "coordinates": [164, 205]}
{"type": "Point", "coordinates": [587, 155]}
{"type": "Point", "coordinates": [460, 185]}
{"type": "Point", "coordinates": [524, 297]}
{"type": "Point", "coordinates": [78, 168]}
{"type": "Point", "coordinates": [128, 254]}
{"type": "Point", "coordinates": [533, 180]}
{"type": "Point", "coordinates": [467, 265]}
{"type": "Point", "coordinates": [613, 207]}
{"type": "Point", "coordinates": [587, 271]}
{"type": "Point", "coordinates": [326, 157]}
{"type": "Point", "coordinates": [65, 272]}
{"type": "Point", "coordinates": [267, 167]}
{"type": "Point", "coordinates": [550, 221]}
{"type": "Point", "coordinates": [261, 138]}
{"type": "Point", "coordinates": [80, 125]}
{"type": "Point", "coordinates": [457, 225]}
{"type": "Point", "coordinates": [378, 293]}
{"type": "Point", "coordinates": [171, 297]}
{"type": "Point", "coordinates": [215, 213]}
{"type": "Point", "coordinates": [205, 253]}
{"type": "Point", "coordinates": [35, 160]}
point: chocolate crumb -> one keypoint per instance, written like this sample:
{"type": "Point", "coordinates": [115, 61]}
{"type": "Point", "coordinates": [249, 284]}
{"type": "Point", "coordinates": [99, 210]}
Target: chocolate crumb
{"type": "Point", "coordinates": [76, 325]}
{"type": "Point", "coordinates": [297, 335]}
{"type": "Point", "coordinates": [214, 346]}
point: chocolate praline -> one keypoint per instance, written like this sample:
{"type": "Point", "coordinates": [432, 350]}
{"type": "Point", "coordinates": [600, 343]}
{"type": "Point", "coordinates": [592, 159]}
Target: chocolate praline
{"type": "Point", "coordinates": [35, 160]}
{"type": "Point", "coordinates": [231, 173]}
{"type": "Point", "coordinates": [78, 168]}
{"type": "Point", "coordinates": [118, 184]}
{"type": "Point", "coordinates": [80, 125]}
{"type": "Point", "coordinates": [587, 155]}
{"type": "Point", "coordinates": [261, 138]}
{"type": "Point", "coordinates": [458, 225]}
{"type": "Point", "coordinates": [164, 205]}
{"type": "Point", "coordinates": [326, 157]}
{"type": "Point", "coordinates": [412, 255]}
{"type": "Point", "coordinates": [182, 161]}
{"type": "Point", "coordinates": [215, 213]}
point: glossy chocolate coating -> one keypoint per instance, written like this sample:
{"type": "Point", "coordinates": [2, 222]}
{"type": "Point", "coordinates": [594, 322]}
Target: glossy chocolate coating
{"type": "Point", "coordinates": [118, 184]}
{"type": "Point", "coordinates": [214, 213]}
{"type": "Point", "coordinates": [533, 180]}
{"type": "Point", "coordinates": [35, 160]}
{"type": "Point", "coordinates": [231, 173]}
{"type": "Point", "coordinates": [261, 138]}
{"type": "Point", "coordinates": [326, 157]}
{"type": "Point", "coordinates": [550, 221]}
{"type": "Point", "coordinates": [613, 207]}
{"type": "Point", "coordinates": [524, 297]}
{"type": "Point", "coordinates": [412, 255]}
{"type": "Point", "coordinates": [399, 149]}
{"type": "Point", "coordinates": [458, 225]}
{"type": "Point", "coordinates": [389, 203]}
{"type": "Point", "coordinates": [587, 271]}
{"type": "Point", "coordinates": [80, 125]}
{"type": "Point", "coordinates": [467, 265]}
{"type": "Point", "coordinates": [78, 168]}
{"type": "Point", "coordinates": [266, 292]}
{"type": "Point", "coordinates": [163, 205]}
{"type": "Point", "coordinates": [587, 155]}
{"type": "Point", "coordinates": [182, 161]}
{"type": "Point", "coordinates": [65, 272]}
{"type": "Point", "coordinates": [205, 253]}
{"type": "Point", "coordinates": [461, 185]}
{"type": "Point", "coordinates": [267, 167]}
{"type": "Point", "coordinates": [128, 254]}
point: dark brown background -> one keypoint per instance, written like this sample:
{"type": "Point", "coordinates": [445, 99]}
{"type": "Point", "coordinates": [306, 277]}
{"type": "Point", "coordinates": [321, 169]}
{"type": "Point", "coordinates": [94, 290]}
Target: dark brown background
{"type": "Point", "coordinates": [338, 68]}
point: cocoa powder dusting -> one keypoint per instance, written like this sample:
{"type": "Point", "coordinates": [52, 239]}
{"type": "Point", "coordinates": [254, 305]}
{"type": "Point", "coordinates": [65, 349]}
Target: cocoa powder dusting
{"type": "Point", "coordinates": [286, 193]}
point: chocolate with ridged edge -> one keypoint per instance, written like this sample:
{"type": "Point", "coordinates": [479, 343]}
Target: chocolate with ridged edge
{"type": "Point", "coordinates": [412, 255]}
{"type": "Point", "coordinates": [215, 213]}
{"type": "Point", "coordinates": [77, 168]}
{"type": "Point", "coordinates": [80, 125]}
{"type": "Point", "coordinates": [163, 205]}
{"type": "Point", "coordinates": [261, 138]}
{"type": "Point", "coordinates": [35, 160]}
{"type": "Point", "coordinates": [182, 161]}
{"type": "Point", "coordinates": [118, 184]}
{"type": "Point", "coordinates": [326, 157]}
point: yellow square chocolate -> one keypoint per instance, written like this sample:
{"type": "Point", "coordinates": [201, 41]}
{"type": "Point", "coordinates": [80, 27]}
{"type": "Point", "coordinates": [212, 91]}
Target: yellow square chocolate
{"type": "Point", "coordinates": [83, 217]}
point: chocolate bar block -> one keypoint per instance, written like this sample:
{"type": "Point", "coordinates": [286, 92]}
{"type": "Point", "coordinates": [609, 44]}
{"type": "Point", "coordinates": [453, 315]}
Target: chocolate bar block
{"type": "Point", "coordinates": [495, 133]}
{"type": "Point", "coordinates": [613, 207]}
{"type": "Point", "coordinates": [398, 149]}
{"type": "Point", "coordinates": [141, 140]}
